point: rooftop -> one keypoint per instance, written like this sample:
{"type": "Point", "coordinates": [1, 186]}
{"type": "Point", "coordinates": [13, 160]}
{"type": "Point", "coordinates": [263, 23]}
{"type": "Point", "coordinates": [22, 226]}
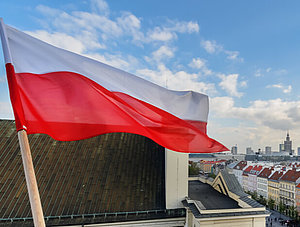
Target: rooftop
{"type": "Point", "coordinates": [232, 184]}
{"type": "Point", "coordinates": [108, 174]}
{"type": "Point", "coordinates": [276, 175]}
{"type": "Point", "coordinates": [248, 169]}
{"type": "Point", "coordinates": [209, 197]}
{"type": "Point", "coordinates": [265, 173]}
{"type": "Point", "coordinates": [291, 176]}
{"type": "Point", "coordinates": [241, 165]}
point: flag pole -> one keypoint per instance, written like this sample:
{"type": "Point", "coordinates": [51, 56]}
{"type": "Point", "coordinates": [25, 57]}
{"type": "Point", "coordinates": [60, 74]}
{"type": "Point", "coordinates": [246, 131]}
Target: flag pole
{"type": "Point", "coordinates": [33, 191]}
{"type": "Point", "coordinates": [32, 187]}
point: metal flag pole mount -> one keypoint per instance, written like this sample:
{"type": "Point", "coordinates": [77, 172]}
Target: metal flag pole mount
{"type": "Point", "coordinates": [32, 187]}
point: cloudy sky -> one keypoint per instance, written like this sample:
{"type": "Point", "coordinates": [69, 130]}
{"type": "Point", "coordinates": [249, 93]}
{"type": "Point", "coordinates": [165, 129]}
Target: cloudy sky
{"type": "Point", "coordinates": [245, 55]}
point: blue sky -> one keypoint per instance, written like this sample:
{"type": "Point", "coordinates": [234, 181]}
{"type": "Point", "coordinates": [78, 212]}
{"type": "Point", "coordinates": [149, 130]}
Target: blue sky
{"type": "Point", "coordinates": [243, 54]}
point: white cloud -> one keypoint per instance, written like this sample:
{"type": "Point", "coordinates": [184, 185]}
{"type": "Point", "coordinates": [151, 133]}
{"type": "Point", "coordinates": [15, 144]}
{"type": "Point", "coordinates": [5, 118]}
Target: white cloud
{"type": "Point", "coordinates": [101, 26]}
{"type": "Point", "coordinates": [184, 27]}
{"type": "Point", "coordinates": [161, 53]}
{"type": "Point", "coordinates": [243, 83]}
{"type": "Point", "coordinates": [179, 80]}
{"type": "Point", "coordinates": [131, 25]}
{"type": "Point", "coordinates": [48, 11]}
{"type": "Point", "coordinates": [197, 63]}
{"type": "Point", "coordinates": [159, 34]}
{"type": "Point", "coordinates": [284, 89]}
{"type": "Point", "coordinates": [229, 83]}
{"type": "Point", "coordinates": [169, 32]}
{"type": "Point", "coordinates": [288, 89]}
{"type": "Point", "coordinates": [258, 73]}
{"type": "Point", "coordinates": [200, 64]}
{"type": "Point", "coordinates": [275, 114]}
{"type": "Point", "coordinates": [233, 55]}
{"type": "Point", "coordinates": [211, 46]}
{"type": "Point", "coordinates": [262, 71]}
{"type": "Point", "coordinates": [100, 6]}
{"type": "Point", "coordinates": [250, 136]}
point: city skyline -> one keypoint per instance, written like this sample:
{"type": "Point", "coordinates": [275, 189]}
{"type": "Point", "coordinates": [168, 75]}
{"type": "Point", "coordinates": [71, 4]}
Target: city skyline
{"type": "Point", "coordinates": [243, 56]}
{"type": "Point", "coordinates": [285, 145]}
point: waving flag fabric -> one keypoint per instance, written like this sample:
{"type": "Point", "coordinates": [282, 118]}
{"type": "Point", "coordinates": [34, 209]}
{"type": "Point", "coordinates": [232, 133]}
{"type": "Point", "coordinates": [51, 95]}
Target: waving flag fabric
{"type": "Point", "coordinates": [72, 97]}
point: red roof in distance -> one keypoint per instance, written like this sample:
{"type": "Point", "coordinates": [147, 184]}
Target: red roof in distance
{"type": "Point", "coordinates": [291, 175]}
{"type": "Point", "coordinates": [241, 165]}
{"type": "Point", "coordinates": [276, 175]}
{"type": "Point", "coordinates": [265, 173]}
{"type": "Point", "coordinates": [248, 169]}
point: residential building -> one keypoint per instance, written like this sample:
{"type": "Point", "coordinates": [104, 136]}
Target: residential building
{"type": "Point", "coordinates": [287, 186]}
{"type": "Point", "coordinates": [208, 166]}
{"type": "Point", "coordinates": [274, 187]}
{"type": "Point", "coordinates": [298, 198]}
{"type": "Point", "coordinates": [246, 183]}
{"type": "Point", "coordinates": [262, 182]}
{"type": "Point", "coordinates": [252, 178]}
{"type": "Point", "coordinates": [238, 171]}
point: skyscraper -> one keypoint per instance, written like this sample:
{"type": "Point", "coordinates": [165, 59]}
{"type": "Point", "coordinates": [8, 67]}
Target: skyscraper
{"type": "Point", "coordinates": [249, 150]}
{"type": "Point", "coordinates": [234, 150]}
{"type": "Point", "coordinates": [288, 144]}
{"type": "Point", "coordinates": [268, 150]}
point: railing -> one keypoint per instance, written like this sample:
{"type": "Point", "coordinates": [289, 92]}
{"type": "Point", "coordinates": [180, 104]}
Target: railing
{"type": "Point", "coordinates": [115, 216]}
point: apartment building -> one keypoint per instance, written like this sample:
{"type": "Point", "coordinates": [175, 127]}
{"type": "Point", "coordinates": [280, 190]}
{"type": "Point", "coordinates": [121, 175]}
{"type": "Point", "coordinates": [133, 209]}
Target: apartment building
{"type": "Point", "coordinates": [273, 187]}
{"type": "Point", "coordinates": [238, 171]}
{"type": "Point", "coordinates": [262, 182]}
{"type": "Point", "coordinates": [287, 187]}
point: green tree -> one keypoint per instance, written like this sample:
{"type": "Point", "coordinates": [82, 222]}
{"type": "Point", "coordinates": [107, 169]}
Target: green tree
{"type": "Point", "coordinates": [212, 175]}
{"type": "Point", "coordinates": [193, 169]}
{"type": "Point", "coordinates": [292, 212]}
{"type": "Point", "coordinates": [254, 195]}
{"type": "Point", "coordinates": [282, 207]}
{"type": "Point", "coordinates": [262, 200]}
{"type": "Point", "coordinates": [271, 203]}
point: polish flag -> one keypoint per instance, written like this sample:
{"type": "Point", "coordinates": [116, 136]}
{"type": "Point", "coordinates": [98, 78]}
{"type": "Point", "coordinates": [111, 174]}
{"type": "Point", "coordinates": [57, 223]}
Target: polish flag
{"type": "Point", "coordinates": [72, 97]}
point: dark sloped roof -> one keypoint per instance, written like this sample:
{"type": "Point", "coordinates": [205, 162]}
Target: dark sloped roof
{"type": "Point", "coordinates": [209, 197]}
{"type": "Point", "coordinates": [251, 202]}
{"type": "Point", "coordinates": [109, 173]}
{"type": "Point", "coordinates": [233, 184]}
